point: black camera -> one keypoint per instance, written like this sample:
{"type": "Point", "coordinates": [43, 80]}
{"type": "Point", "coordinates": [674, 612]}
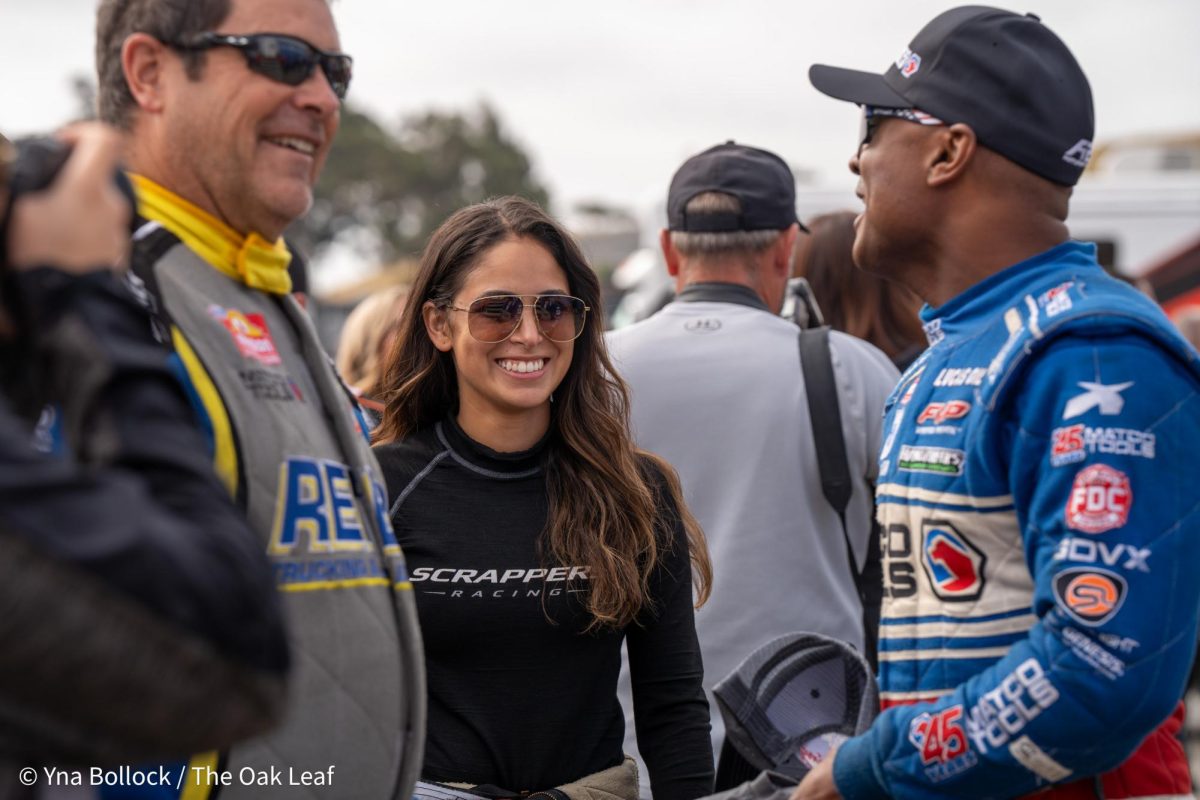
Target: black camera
{"type": "Point", "coordinates": [30, 165]}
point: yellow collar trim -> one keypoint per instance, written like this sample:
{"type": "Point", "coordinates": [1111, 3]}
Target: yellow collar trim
{"type": "Point", "coordinates": [252, 260]}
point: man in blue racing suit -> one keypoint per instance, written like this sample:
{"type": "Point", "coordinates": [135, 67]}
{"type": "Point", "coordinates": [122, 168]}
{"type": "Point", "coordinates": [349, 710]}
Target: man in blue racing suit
{"type": "Point", "coordinates": [1038, 510]}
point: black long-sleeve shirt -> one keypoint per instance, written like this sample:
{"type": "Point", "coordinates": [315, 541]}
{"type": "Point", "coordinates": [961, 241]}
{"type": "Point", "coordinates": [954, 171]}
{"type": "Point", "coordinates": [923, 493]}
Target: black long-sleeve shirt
{"type": "Point", "coordinates": [520, 696]}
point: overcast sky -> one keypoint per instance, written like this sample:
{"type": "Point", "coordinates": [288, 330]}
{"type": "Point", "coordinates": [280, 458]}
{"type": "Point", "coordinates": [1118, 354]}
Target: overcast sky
{"type": "Point", "coordinates": [610, 96]}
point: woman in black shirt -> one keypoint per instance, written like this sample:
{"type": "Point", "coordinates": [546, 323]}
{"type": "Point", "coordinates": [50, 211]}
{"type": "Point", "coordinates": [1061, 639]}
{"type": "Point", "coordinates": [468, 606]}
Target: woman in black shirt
{"type": "Point", "coordinates": [537, 537]}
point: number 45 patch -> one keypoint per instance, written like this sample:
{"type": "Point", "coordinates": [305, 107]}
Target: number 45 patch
{"type": "Point", "coordinates": [942, 742]}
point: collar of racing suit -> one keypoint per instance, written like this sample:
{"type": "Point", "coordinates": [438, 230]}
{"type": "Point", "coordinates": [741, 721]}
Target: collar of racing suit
{"type": "Point", "coordinates": [251, 260]}
{"type": "Point", "coordinates": [994, 295]}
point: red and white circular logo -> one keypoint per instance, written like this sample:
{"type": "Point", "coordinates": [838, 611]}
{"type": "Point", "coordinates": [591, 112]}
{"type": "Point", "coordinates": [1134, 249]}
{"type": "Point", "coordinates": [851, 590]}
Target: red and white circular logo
{"type": "Point", "coordinates": [1100, 499]}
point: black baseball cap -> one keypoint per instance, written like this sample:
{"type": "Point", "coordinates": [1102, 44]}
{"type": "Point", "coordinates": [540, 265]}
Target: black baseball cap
{"type": "Point", "coordinates": [793, 699]}
{"type": "Point", "coordinates": [760, 180]}
{"type": "Point", "coordinates": [1006, 75]}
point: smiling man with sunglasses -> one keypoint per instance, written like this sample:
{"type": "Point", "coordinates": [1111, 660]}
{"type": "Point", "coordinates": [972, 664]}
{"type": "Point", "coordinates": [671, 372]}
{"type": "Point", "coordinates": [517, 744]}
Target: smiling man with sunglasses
{"type": "Point", "coordinates": [230, 107]}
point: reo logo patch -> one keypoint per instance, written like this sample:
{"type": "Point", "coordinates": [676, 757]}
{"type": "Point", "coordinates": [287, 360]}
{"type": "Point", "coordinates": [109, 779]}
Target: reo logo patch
{"type": "Point", "coordinates": [1090, 596]}
{"type": "Point", "coordinates": [939, 412]}
{"type": "Point", "coordinates": [316, 508]}
{"type": "Point", "coordinates": [250, 334]}
{"type": "Point", "coordinates": [1100, 500]}
{"type": "Point", "coordinates": [952, 563]}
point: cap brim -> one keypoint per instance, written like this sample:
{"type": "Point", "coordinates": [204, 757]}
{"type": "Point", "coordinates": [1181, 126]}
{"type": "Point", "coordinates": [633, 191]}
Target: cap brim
{"type": "Point", "coordinates": [855, 86]}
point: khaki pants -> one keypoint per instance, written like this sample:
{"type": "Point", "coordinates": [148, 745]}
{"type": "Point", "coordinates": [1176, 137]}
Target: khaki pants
{"type": "Point", "coordinates": [615, 783]}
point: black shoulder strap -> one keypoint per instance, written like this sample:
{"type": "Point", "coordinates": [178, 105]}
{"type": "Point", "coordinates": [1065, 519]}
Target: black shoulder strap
{"type": "Point", "coordinates": [824, 412]}
{"type": "Point", "coordinates": [151, 242]}
{"type": "Point", "coordinates": [820, 384]}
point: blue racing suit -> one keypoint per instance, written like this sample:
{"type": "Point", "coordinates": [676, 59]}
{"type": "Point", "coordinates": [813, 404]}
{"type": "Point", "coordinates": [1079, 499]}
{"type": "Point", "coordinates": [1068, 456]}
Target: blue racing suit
{"type": "Point", "coordinates": [1040, 531]}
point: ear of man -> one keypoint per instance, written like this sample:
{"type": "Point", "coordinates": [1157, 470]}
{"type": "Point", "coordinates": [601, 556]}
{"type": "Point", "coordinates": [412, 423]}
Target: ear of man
{"type": "Point", "coordinates": [143, 58]}
{"type": "Point", "coordinates": [783, 250]}
{"type": "Point", "coordinates": [951, 153]}
{"type": "Point", "coordinates": [670, 254]}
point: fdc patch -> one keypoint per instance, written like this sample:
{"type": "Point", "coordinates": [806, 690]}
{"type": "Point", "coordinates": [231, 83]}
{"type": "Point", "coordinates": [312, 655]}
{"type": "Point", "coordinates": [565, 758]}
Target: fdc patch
{"type": "Point", "coordinates": [952, 563]}
{"type": "Point", "coordinates": [1100, 500]}
{"type": "Point", "coordinates": [250, 334]}
{"type": "Point", "coordinates": [1090, 596]}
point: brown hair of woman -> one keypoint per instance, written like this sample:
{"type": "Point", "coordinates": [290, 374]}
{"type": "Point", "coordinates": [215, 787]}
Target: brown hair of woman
{"type": "Point", "coordinates": [863, 305]}
{"type": "Point", "coordinates": [602, 504]}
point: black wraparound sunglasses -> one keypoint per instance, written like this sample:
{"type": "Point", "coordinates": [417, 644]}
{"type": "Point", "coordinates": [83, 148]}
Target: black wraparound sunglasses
{"type": "Point", "coordinates": [871, 115]}
{"type": "Point", "coordinates": [280, 57]}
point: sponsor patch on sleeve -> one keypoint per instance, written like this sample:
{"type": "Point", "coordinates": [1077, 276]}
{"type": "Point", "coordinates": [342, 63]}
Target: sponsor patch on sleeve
{"type": "Point", "coordinates": [1003, 712]}
{"type": "Point", "coordinates": [1105, 398]}
{"type": "Point", "coordinates": [1093, 654]}
{"type": "Point", "coordinates": [941, 741]}
{"type": "Point", "coordinates": [1090, 596]}
{"type": "Point", "coordinates": [1100, 500]}
{"type": "Point", "coordinates": [1036, 760]}
{"type": "Point", "coordinates": [1074, 443]}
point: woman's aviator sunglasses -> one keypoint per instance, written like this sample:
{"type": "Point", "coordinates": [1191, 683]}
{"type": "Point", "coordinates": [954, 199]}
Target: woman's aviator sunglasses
{"type": "Point", "coordinates": [494, 318]}
{"type": "Point", "coordinates": [280, 57]}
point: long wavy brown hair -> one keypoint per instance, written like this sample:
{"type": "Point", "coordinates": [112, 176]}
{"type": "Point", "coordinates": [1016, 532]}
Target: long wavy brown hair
{"type": "Point", "coordinates": [604, 498]}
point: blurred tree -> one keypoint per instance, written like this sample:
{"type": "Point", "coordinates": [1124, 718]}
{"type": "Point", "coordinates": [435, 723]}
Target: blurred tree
{"type": "Point", "coordinates": [402, 186]}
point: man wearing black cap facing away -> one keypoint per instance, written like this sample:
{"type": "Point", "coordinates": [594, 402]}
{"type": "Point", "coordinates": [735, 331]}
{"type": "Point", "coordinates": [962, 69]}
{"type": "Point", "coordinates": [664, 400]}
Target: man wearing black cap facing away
{"type": "Point", "coordinates": [718, 390]}
{"type": "Point", "coordinates": [1040, 527]}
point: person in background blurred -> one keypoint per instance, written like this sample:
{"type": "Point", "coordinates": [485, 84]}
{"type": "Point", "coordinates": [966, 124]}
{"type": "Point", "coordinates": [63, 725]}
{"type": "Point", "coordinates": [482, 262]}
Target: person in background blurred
{"type": "Point", "coordinates": [863, 305]}
{"type": "Point", "coordinates": [1188, 323]}
{"type": "Point", "coordinates": [719, 389]}
{"type": "Point", "coordinates": [367, 335]}
{"type": "Point", "coordinates": [538, 536]}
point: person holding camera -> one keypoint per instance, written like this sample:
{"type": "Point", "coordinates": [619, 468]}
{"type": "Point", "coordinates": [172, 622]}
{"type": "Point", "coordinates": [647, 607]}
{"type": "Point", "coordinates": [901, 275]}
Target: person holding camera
{"type": "Point", "coordinates": [230, 107]}
{"type": "Point", "coordinates": [720, 360]}
{"type": "Point", "coordinates": [128, 580]}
